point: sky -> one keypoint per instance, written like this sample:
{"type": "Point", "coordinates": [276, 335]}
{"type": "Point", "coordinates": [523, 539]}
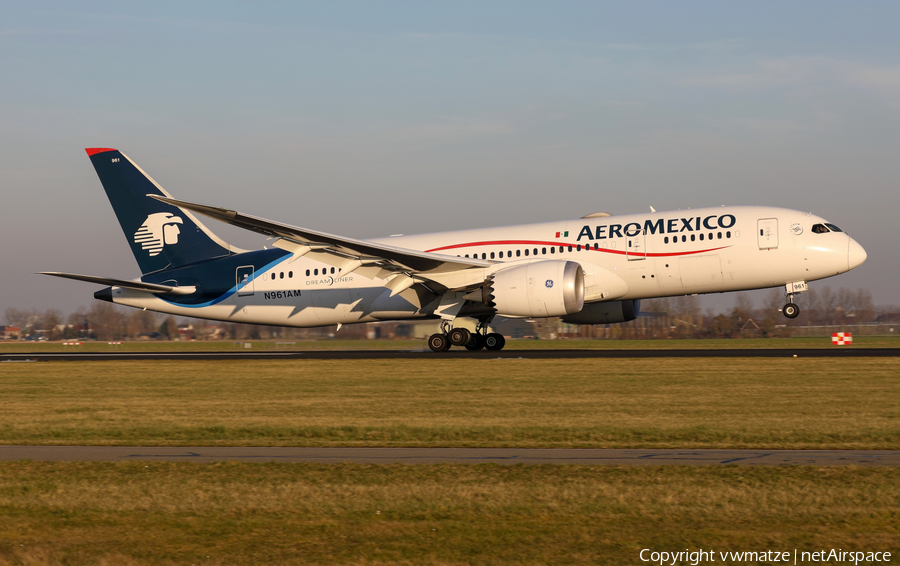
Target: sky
{"type": "Point", "coordinates": [374, 118]}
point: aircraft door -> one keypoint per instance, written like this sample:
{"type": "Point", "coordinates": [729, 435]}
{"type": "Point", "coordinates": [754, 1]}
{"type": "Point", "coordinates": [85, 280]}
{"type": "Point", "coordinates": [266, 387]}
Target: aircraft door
{"type": "Point", "coordinates": [767, 233]}
{"type": "Point", "coordinates": [634, 246]}
{"type": "Point", "coordinates": [244, 280]}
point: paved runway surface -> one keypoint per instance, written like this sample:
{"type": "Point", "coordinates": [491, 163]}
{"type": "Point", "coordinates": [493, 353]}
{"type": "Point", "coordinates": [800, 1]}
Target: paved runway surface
{"type": "Point", "coordinates": [609, 457]}
{"type": "Point", "coordinates": [458, 354]}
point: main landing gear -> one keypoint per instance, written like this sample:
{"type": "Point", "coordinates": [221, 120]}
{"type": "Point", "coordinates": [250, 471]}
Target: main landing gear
{"type": "Point", "coordinates": [480, 339]}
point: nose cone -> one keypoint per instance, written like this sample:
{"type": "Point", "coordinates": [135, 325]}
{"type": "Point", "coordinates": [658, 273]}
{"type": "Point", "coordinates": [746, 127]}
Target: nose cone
{"type": "Point", "coordinates": [856, 255]}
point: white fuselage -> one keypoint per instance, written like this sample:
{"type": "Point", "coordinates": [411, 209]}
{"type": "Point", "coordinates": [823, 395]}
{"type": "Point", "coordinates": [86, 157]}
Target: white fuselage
{"type": "Point", "coordinates": [638, 256]}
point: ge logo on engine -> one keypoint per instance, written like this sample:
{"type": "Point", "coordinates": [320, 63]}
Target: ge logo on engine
{"type": "Point", "coordinates": [549, 283]}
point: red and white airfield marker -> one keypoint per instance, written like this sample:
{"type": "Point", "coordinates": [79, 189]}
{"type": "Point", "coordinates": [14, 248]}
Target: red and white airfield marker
{"type": "Point", "coordinates": [842, 338]}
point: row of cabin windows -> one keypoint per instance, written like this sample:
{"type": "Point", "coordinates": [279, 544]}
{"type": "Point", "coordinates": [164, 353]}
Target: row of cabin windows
{"type": "Point", "coordinates": [290, 274]}
{"type": "Point", "coordinates": [694, 237]}
{"type": "Point", "coordinates": [509, 253]}
{"type": "Point", "coordinates": [586, 247]}
{"type": "Point", "coordinates": [543, 251]}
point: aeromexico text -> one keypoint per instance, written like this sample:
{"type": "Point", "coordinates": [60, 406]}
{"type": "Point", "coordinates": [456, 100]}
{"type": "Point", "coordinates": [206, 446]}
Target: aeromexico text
{"type": "Point", "coordinates": [659, 226]}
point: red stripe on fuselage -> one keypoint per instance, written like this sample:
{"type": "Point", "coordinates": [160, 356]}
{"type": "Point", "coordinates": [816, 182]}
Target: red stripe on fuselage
{"type": "Point", "coordinates": [555, 244]}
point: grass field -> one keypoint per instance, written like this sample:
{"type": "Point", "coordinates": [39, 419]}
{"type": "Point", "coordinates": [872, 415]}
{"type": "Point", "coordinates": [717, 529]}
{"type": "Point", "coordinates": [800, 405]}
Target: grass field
{"type": "Point", "coordinates": [419, 344]}
{"type": "Point", "coordinates": [131, 513]}
{"type": "Point", "coordinates": [663, 403]}
{"type": "Point", "coordinates": [238, 513]}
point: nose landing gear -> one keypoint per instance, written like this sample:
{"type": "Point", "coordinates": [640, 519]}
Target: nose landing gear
{"type": "Point", "coordinates": [791, 310]}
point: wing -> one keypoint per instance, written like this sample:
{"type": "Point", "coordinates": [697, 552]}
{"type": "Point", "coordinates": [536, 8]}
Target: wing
{"type": "Point", "coordinates": [371, 259]}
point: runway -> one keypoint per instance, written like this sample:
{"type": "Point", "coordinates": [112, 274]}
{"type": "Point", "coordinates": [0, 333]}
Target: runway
{"type": "Point", "coordinates": [457, 354]}
{"type": "Point", "coordinates": [505, 456]}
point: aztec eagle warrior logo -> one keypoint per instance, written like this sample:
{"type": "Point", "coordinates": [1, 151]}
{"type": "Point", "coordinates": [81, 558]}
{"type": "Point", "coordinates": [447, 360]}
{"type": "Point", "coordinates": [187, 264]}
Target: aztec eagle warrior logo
{"type": "Point", "coordinates": [158, 230]}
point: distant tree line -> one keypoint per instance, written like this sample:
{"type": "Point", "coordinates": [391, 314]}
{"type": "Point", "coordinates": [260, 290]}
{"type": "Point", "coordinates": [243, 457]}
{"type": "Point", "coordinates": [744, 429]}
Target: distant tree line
{"type": "Point", "coordinates": [673, 317]}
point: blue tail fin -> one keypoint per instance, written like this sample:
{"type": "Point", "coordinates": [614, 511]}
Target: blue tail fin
{"type": "Point", "coordinates": [161, 236]}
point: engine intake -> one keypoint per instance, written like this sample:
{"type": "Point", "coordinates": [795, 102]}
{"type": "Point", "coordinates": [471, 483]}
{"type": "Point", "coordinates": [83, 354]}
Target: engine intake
{"type": "Point", "coordinates": [539, 289]}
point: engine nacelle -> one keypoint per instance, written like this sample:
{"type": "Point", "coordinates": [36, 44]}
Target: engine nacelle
{"type": "Point", "coordinates": [601, 284]}
{"type": "Point", "coordinates": [606, 313]}
{"type": "Point", "coordinates": [539, 289]}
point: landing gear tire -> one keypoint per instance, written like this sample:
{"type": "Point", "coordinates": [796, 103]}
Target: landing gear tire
{"type": "Point", "coordinates": [791, 310]}
{"type": "Point", "coordinates": [438, 343]}
{"type": "Point", "coordinates": [494, 341]}
{"type": "Point", "coordinates": [476, 342]}
{"type": "Point", "coordinates": [459, 336]}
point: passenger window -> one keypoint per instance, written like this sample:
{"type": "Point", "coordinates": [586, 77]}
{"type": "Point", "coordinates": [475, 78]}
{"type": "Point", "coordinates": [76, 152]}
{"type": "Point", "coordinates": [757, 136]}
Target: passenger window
{"type": "Point", "coordinates": [692, 237]}
{"type": "Point", "coordinates": [282, 275]}
{"type": "Point", "coordinates": [274, 275]}
{"type": "Point", "coordinates": [526, 253]}
{"type": "Point", "coordinates": [316, 272]}
{"type": "Point", "coordinates": [701, 237]}
{"type": "Point", "coordinates": [483, 256]}
{"type": "Point", "coordinates": [728, 234]}
{"type": "Point", "coordinates": [535, 251]}
{"type": "Point", "coordinates": [492, 255]}
{"type": "Point", "coordinates": [719, 235]}
{"type": "Point", "coordinates": [290, 274]}
{"type": "Point", "coordinates": [666, 240]}
{"type": "Point", "coordinates": [519, 252]}
{"type": "Point", "coordinates": [552, 250]}
{"type": "Point", "coordinates": [307, 273]}
{"type": "Point", "coordinates": [332, 271]}
{"type": "Point", "coordinates": [509, 253]}
{"type": "Point", "coordinates": [684, 238]}
{"type": "Point", "coordinates": [501, 255]}
{"type": "Point", "coordinates": [543, 251]}
{"type": "Point", "coordinates": [570, 248]}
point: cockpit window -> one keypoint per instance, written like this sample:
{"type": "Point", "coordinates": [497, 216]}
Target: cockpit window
{"type": "Point", "coordinates": [833, 228]}
{"type": "Point", "coordinates": [819, 229]}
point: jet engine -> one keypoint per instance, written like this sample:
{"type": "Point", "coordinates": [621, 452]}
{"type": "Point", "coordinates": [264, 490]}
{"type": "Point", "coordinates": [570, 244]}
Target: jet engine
{"type": "Point", "coordinates": [605, 313]}
{"type": "Point", "coordinates": [539, 289]}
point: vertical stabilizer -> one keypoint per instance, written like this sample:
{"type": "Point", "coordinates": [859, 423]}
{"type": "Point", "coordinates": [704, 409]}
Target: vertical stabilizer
{"type": "Point", "coordinates": [161, 236]}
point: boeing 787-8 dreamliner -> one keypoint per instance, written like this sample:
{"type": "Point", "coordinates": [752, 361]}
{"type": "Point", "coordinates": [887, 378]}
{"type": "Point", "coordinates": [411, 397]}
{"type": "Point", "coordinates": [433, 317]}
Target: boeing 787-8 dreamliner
{"type": "Point", "coordinates": [590, 270]}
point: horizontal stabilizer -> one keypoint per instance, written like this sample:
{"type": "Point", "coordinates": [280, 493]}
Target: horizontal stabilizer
{"type": "Point", "coordinates": [139, 285]}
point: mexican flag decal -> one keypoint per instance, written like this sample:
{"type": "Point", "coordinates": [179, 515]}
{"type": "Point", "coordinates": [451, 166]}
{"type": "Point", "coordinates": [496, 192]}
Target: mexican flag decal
{"type": "Point", "coordinates": [564, 234]}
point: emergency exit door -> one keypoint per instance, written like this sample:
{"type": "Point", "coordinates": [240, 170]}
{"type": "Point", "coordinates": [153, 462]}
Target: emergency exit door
{"type": "Point", "coordinates": [634, 249]}
{"type": "Point", "coordinates": [767, 233]}
{"type": "Point", "coordinates": [244, 280]}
